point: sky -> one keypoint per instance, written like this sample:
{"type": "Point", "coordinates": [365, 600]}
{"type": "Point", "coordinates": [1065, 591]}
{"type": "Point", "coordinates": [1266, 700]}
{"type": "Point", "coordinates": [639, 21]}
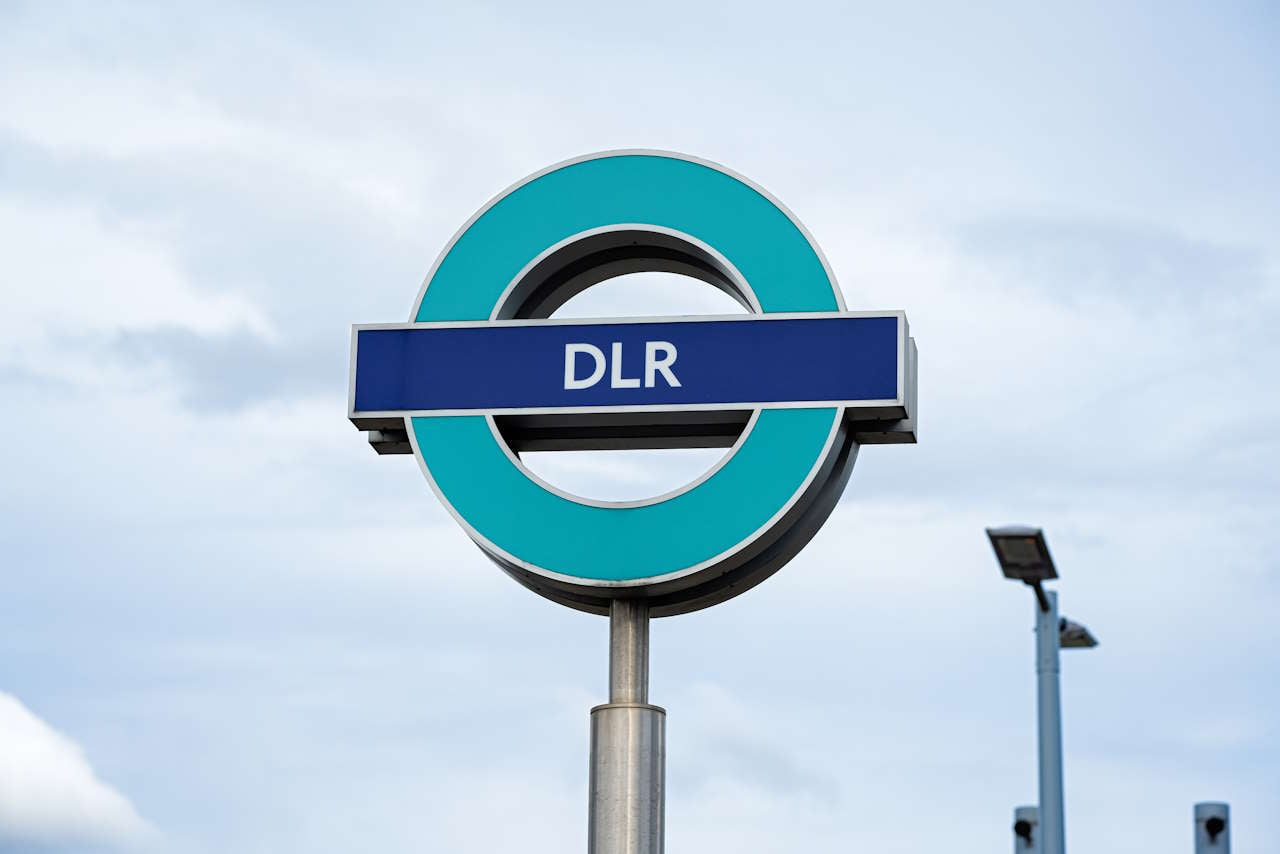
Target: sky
{"type": "Point", "coordinates": [226, 625]}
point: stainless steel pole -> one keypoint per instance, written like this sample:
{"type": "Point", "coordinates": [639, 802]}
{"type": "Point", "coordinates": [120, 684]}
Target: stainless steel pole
{"type": "Point", "coordinates": [628, 745]}
{"type": "Point", "coordinates": [1026, 830]}
{"type": "Point", "coordinates": [1049, 707]}
{"type": "Point", "coordinates": [1213, 828]}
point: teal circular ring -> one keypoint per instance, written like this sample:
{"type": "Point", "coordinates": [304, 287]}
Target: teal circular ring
{"type": "Point", "coordinates": [525, 525]}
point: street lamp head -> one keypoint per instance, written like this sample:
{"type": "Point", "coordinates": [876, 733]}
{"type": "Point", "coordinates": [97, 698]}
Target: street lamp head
{"type": "Point", "coordinates": [1072, 635]}
{"type": "Point", "coordinates": [1022, 553]}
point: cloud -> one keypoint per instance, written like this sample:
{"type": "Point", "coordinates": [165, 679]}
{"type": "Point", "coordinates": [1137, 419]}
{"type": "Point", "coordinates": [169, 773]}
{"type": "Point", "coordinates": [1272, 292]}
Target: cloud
{"type": "Point", "coordinates": [1073, 259]}
{"type": "Point", "coordinates": [50, 796]}
{"type": "Point", "coordinates": [230, 371]}
{"type": "Point", "coordinates": [75, 278]}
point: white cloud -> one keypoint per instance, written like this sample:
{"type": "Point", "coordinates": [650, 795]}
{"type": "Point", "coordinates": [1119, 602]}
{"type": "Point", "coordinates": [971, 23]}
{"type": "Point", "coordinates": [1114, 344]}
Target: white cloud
{"type": "Point", "coordinates": [71, 275]}
{"type": "Point", "coordinates": [115, 117]}
{"type": "Point", "coordinates": [49, 794]}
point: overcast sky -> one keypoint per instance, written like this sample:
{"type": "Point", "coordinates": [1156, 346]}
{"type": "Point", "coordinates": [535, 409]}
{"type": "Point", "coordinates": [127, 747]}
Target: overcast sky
{"type": "Point", "coordinates": [226, 625]}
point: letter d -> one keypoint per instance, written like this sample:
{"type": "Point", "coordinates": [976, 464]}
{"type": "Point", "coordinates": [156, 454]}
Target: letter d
{"type": "Point", "coordinates": [571, 352]}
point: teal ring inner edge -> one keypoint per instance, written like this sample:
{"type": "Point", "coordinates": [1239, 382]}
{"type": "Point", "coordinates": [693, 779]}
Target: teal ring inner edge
{"type": "Point", "coordinates": [549, 533]}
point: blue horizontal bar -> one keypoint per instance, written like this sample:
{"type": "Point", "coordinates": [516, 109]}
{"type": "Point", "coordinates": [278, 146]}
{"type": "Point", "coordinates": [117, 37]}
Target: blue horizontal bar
{"type": "Point", "coordinates": [431, 367]}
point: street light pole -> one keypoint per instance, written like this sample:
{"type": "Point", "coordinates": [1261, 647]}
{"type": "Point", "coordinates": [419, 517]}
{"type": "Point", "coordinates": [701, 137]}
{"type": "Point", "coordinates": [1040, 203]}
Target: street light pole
{"type": "Point", "coordinates": [1049, 714]}
{"type": "Point", "coordinates": [1024, 556]}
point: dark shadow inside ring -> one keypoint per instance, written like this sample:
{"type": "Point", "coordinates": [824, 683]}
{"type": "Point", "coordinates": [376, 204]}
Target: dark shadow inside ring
{"type": "Point", "coordinates": [567, 272]}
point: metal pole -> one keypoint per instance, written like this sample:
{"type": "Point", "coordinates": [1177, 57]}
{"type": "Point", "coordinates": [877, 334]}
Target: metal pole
{"type": "Point", "coordinates": [1213, 828]}
{"type": "Point", "coordinates": [628, 745]}
{"type": "Point", "coordinates": [1026, 830]}
{"type": "Point", "coordinates": [1049, 708]}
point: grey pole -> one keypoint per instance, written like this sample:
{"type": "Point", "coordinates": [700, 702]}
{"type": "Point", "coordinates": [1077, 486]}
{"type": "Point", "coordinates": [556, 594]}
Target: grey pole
{"type": "Point", "coordinates": [1213, 828]}
{"type": "Point", "coordinates": [1026, 830]}
{"type": "Point", "coordinates": [1049, 708]}
{"type": "Point", "coordinates": [628, 745]}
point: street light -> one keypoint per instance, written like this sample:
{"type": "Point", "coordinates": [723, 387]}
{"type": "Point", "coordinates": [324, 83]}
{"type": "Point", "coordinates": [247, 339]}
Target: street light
{"type": "Point", "coordinates": [1024, 556]}
{"type": "Point", "coordinates": [1072, 635]}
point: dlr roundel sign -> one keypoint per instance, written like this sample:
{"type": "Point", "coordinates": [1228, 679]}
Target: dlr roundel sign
{"type": "Point", "coordinates": [482, 372]}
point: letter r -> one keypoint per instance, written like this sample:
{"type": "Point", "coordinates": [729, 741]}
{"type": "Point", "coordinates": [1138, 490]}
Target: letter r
{"type": "Point", "coordinates": [653, 365]}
